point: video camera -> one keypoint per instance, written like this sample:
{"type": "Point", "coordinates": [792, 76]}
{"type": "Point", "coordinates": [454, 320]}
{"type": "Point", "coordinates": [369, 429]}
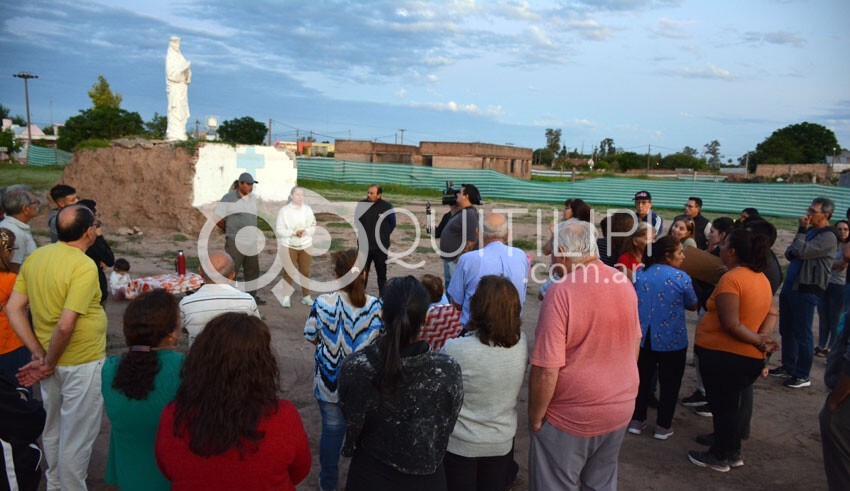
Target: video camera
{"type": "Point", "coordinates": [450, 194]}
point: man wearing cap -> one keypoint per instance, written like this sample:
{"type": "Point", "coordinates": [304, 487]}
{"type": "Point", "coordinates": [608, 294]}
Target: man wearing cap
{"type": "Point", "coordinates": [643, 209]}
{"type": "Point", "coordinates": [461, 232]}
{"type": "Point", "coordinates": [377, 219]}
{"type": "Point", "coordinates": [238, 210]}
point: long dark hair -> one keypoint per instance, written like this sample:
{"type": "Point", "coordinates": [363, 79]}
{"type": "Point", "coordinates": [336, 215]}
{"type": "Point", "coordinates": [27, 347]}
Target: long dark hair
{"type": "Point", "coordinates": [662, 249]}
{"type": "Point", "coordinates": [356, 290]}
{"type": "Point", "coordinates": [495, 312]}
{"type": "Point", "coordinates": [406, 302]}
{"type": "Point", "coordinates": [750, 249]}
{"type": "Point", "coordinates": [230, 383]}
{"type": "Point", "coordinates": [149, 319]}
{"type": "Point", "coordinates": [580, 209]}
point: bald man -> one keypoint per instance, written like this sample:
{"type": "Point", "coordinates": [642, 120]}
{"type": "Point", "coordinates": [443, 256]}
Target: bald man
{"type": "Point", "coordinates": [216, 297]}
{"type": "Point", "coordinates": [494, 258]}
{"type": "Point", "coordinates": [67, 340]}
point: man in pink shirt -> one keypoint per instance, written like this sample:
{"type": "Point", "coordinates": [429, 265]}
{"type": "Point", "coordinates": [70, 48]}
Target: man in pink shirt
{"type": "Point", "coordinates": [584, 376]}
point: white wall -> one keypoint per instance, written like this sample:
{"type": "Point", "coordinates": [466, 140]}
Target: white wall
{"type": "Point", "coordinates": [220, 164]}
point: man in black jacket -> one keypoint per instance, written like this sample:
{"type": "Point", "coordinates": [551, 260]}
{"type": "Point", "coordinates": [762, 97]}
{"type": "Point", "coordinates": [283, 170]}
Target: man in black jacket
{"type": "Point", "coordinates": [376, 220]}
{"type": "Point", "coordinates": [702, 225]}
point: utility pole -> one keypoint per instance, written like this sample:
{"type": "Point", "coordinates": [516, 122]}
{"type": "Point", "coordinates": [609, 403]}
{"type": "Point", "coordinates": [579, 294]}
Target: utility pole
{"type": "Point", "coordinates": [27, 76]}
{"type": "Point", "coordinates": [747, 166]}
{"type": "Point", "coordinates": [349, 135]}
{"type": "Point", "coordinates": [648, 151]}
{"type": "Point", "coordinates": [270, 131]}
{"type": "Point", "coordinates": [402, 135]}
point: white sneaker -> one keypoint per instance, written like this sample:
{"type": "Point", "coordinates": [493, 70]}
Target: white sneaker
{"type": "Point", "coordinates": [286, 303]}
{"type": "Point", "coordinates": [308, 300]}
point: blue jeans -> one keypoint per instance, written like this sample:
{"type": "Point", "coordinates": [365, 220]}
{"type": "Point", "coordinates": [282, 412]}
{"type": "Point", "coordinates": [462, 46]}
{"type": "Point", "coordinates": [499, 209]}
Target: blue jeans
{"type": "Point", "coordinates": [830, 307]}
{"type": "Point", "coordinates": [796, 316]}
{"type": "Point", "coordinates": [330, 444]}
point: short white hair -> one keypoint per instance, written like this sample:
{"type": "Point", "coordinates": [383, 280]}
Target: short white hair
{"type": "Point", "coordinates": [578, 238]}
{"type": "Point", "coordinates": [500, 231]}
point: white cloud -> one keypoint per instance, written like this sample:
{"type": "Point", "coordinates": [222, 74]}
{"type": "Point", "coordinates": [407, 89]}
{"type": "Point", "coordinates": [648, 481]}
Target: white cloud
{"type": "Point", "coordinates": [708, 72]}
{"type": "Point", "coordinates": [589, 28]}
{"type": "Point", "coordinates": [673, 28]}
{"type": "Point", "coordinates": [432, 78]}
{"type": "Point", "coordinates": [516, 11]}
{"type": "Point", "coordinates": [401, 93]}
{"type": "Point", "coordinates": [774, 37]}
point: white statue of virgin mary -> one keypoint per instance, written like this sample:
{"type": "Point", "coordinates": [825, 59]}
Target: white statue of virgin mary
{"type": "Point", "coordinates": [178, 76]}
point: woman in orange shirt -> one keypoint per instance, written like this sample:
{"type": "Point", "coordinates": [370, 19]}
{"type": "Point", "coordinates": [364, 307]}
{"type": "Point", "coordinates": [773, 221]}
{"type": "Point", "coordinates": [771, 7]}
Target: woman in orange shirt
{"type": "Point", "coordinates": [13, 353]}
{"type": "Point", "coordinates": [731, 342]}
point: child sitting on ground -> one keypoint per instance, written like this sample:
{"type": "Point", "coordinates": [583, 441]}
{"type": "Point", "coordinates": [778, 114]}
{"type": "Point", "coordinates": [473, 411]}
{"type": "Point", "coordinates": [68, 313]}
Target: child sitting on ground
{"type": "Point", "coordinates": [120, 279]}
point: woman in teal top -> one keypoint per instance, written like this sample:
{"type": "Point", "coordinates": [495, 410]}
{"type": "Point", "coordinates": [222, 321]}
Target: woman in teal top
{"type": "Point", "coordinates": [137, 386]}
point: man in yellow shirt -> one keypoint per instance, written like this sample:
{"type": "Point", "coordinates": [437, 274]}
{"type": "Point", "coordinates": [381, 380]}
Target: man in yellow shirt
{"type": "Point", "coordinates": [68, 344]}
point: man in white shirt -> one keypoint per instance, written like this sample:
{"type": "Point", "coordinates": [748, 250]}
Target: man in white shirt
{"type": "Point", "coordinates": [215, 298]}
{"type": "Point", "coordinates": [21, 206]}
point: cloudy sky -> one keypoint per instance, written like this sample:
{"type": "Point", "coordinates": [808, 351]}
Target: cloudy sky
{"type": "Point", "coordinates": [666, 73]}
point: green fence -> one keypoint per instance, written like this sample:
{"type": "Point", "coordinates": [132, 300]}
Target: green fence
{"type": "Point", "coordinates": [781, 200]}
{"type": "Point", "coordinates": [41, 156]}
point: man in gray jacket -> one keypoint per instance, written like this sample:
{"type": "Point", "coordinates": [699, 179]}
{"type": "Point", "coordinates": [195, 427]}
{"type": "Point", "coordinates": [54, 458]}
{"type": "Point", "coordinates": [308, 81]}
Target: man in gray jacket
{"type": "Point", "coordinates": [811, 255]}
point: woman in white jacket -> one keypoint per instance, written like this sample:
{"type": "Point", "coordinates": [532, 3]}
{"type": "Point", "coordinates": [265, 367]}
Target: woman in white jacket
{"type": "Point", "coordinates": [295, 227]}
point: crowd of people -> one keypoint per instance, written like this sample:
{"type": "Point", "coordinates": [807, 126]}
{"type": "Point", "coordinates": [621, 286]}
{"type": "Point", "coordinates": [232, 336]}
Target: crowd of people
{"type": "Point", "coordinates": [408, 414]}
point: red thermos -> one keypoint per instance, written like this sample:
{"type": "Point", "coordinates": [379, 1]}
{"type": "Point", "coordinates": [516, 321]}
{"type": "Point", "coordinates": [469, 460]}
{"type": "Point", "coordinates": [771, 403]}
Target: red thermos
{"type": "Point", "coordinates": [181, 263]}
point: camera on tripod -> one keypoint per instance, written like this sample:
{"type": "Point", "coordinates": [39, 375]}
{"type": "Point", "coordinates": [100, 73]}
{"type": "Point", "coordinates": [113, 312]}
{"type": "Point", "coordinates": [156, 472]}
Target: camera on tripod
{"type": "Point", "coordinates": [450, 194]}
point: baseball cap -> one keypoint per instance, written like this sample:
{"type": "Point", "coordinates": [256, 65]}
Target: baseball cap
{"type": "Point", "coordinates": [247, 178]}
{"type": "Point", "coordinates": [643, 195]}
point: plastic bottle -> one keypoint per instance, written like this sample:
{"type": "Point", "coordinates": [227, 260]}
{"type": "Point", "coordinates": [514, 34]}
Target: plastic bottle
{"type": "Point", "coordinates": [181, 263]}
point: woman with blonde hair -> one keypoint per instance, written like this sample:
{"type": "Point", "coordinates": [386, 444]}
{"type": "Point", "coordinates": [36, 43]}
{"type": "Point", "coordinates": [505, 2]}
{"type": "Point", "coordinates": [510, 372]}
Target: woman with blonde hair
{"type": "Point", "coordinates": [295, 226]}
{"type": "Point", "coordinates": [683, 229]}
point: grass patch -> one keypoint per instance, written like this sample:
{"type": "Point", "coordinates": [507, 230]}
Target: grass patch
{"type": "Point", "coordinates": [525, 244]}
{"type": "Point", "coordinates": [424, 250]}
{"type": "Point", "coordinates": [338, 244]}
{"type": "Point", "coordinates": [39, 178]}
{"type": "Point", "coordinates": [179, 238]}
{"type": "Point", "coordinates": [360, 189]}
{"type": "Point", "coordinates": [406, 226]}
{"type": "Point", "coordinates": [337, 225]}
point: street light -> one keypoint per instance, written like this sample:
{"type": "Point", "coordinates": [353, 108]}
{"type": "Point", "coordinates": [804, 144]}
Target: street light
{"type": "Point", "coordinates": [27, 76]}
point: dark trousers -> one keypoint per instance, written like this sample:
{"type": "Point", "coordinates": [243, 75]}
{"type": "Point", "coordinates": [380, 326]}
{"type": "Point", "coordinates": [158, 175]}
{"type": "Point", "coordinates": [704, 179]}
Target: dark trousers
{"type": "Point", "coordinates": [830, 307]}
{"type": "Point", "coordinates": [250, 265]}
{"type": "Point", "coordinates": [480, 473]}
{"type": "Point", "coordinates": [670, 367]}
{"type": "Point", "coordinates": [380, 260]}
{"type": "Point", "coordinates": [796, 315]}
{"type": "Point", "coordinates": [726, 376]}
{"type": "Point", "coordinates": [835, 438]}
{"type": "Point", "coordinates": [367, 473]}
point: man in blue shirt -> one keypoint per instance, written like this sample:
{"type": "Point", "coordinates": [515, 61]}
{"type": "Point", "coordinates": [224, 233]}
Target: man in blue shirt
{"type": "Point", "coordinates": [643, 209]}
{"type": "Point", "coordinates": [494, 258]}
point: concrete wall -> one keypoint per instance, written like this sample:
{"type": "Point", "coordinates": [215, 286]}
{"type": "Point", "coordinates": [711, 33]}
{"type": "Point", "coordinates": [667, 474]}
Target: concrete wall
{"type": "Point", "coordinates": [513, 161]}
{"type": "Point", "coordinates": [776, 170]}
{"type": "Point", "coordinates": [219, 165]}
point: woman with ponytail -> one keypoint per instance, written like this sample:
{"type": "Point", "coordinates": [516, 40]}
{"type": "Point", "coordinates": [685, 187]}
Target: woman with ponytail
{"type": "Point", "coordinates": [340, 323]}
{"type": "Point", "coordinates": [732, 342]}
{"type": "Point", "coordinates": [400, 400]}
{"type": "Point", "coordinates": [136, 387]}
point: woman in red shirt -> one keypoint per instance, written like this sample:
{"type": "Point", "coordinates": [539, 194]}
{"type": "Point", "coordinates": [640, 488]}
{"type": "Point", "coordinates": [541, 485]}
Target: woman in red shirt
{"type": "Point", "coordinates": [226, 428]}
{"type": "Point", "coordinates": [634, 248]}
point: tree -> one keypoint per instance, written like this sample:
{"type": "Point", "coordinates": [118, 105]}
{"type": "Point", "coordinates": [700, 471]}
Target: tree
{"type": "Point", "coordinates": [802, 143]}
{"type": "Point", "coordinates": [245, 130]}
{"type": "Point", "coordinates": [102, 96]}
{"type": "Point", "coordinates": [7, 139]}
{"type": "Point", "coordinates": [543, 156]}
{"type": "Point", "coordinates": [682, 160]}
{"type": "Point", "coordinates": [553, 139]}
{"type": "Point", "coordinates": [606, 147]}
{"type": "Point", "coordinates": [99, 123]}
{"type": "Point", "coordinates": [16, 119]}
{"type": "Point", "coordinates": [690, 152]}
{"type": "Point", "coordinates": [156, 126]}
{"type": "Point", "coordinates": [712, 149]}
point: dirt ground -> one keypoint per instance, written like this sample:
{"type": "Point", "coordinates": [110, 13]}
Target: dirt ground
{"type": "Point", "coordinates": [784, 451]}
